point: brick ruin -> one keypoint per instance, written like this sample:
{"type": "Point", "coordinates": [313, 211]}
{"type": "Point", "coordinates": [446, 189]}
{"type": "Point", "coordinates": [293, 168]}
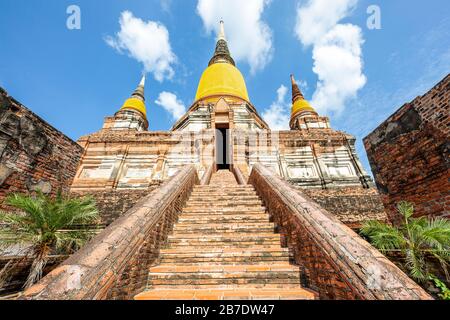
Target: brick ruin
{"type": "Point", "coordinates": [222, 207]}
{"type": "Point", "coordinates": [409, 154]}
{"type": "Point", "coordinates": [33, 155]}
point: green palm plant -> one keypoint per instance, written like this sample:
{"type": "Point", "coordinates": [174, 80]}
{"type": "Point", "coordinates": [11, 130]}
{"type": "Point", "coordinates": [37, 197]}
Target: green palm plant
{"type": "Point", "coordinates": [44, 226]}
{"type": "Point", "coordinates": [416, 239]}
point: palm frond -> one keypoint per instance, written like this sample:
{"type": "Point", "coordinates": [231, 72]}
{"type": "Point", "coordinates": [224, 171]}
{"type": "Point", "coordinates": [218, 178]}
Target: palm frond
{"type": "Point", "coordinates": [384, 237]}
{"type": "Point", "coordinates": [31, 207]}
{"type": "Point", "coordinates": [406, 209]}
{"type": "Point", "coordinates": [70, 241]}
{"type": "Point", "coordinates": [16, 228]}
{"type": "Point", "coordinates": [437, 233]}
{"type": "Point", "coordinates": [75, 212]}
{"type": "Point", "coordinates": [416, 265]}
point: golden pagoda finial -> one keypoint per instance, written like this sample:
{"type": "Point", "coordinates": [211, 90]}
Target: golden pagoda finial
{"type": "Point", "coordinates": [142, 83]}
{"type": "Point", "coordinates": [137, 100]}
{"type": "Point", "coordinates": [299, 104]}
{"type": "Point", "coordinates": [296, 92]}
{"type": "Point", "coordinates": [222, 31]}
{"type": "Point", "coordinates": [222, 53]}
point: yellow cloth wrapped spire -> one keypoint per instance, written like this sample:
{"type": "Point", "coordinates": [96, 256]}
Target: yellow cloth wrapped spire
{"type": "Point", "coordinates": [222, 77]}
{"type": "Point", "coordinates": [299, 103]}
{"type": "Point", "coordinates": [137, 100]}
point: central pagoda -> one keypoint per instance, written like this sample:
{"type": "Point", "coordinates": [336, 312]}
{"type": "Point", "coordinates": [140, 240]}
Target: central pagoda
{"type": "Point", "coordinates": [222, 100]}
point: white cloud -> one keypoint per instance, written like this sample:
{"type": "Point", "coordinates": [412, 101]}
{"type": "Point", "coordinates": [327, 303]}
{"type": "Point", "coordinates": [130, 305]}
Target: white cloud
{"type": "Point", "coordinates": [338, 64]}
{"type": "Point", "coordinates": [249, 38]}
{"type": "Point", "coordinates": [278, 114]}
{"type": "Point", "coordinates": [147, 42]}
{"type": "Point", "coordinates": [171, 104]}
{"type": "Point", "coordinates": [317, 17]}
{"type": "Point", "coordinates": [337, 51]}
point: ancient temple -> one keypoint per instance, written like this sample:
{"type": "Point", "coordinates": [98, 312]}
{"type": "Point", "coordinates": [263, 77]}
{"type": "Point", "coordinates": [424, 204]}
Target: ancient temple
{"type": "Point", "coordinates": [222, 207]}
{"type": "Point", "coordinates": [223, 130]}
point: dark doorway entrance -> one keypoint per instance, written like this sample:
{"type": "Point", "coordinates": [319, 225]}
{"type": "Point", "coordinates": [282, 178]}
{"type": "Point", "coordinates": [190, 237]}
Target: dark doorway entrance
{"type": "Point", "coordinates": [222, 147]}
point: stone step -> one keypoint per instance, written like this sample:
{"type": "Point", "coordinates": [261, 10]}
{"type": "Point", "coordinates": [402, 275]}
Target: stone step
{"type": "Point", "coordinates": [225, 214]}
{"type": "Point", "coordinates": [224, 259]}
{"type": "Point", "coordinates": [224, 273]}
{"type": "Point", "coordinates": [224, 238]}
{"type": "Point", "coordinates": [223, 228]}
{"type": "Point", "coordinates": [226, 230]}
{"type": "Point", "coordinates": [236, 245]}
{"type": "Point", "coordinates": [225, 204]}
{"type": "Point", "coordinates": [198, 279]}
{"type": "Point", "coordinates": [251, 224]}
{"type": "Point", "coordinates": [195, 219]}
{"type": "Point", "coordinates": [230, 186]}
{"type": "Point", "coordinates": [177, 243]}
{"type": "Point", "coordinates": [210, 198]}
{"type": "Point", "coordinates": [241, 246]}
{"type": "Point", "coordinates": [252, 293]}
{"type": "Point", "coordinates": [228, 286]}
{"type": "Point", "coordinates": [220, 270]}
{"type": "Point", "coordinates": [214, 195]}
{"type": "Point", "coordinates": [228, 195]}
{"type": "Point", "coordinates": [204, 228]}
{"type": "Point", "coordinates": [224, 251]}
{"type": "Point", "coordinates": [191, 234]}
{"type": "Point", "coordinates": [205, 209]}
{"type": "Point", "coordinates": [225, 191]}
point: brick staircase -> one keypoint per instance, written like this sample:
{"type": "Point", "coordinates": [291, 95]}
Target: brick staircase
{"type": "Point", "coordinates": [224, 247]}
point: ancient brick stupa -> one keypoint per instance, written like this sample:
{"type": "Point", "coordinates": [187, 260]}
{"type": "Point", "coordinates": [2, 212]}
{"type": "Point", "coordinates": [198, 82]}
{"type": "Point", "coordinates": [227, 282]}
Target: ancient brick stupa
{"type": "Point", "coordinates": [223, 130]}
{"type": "Point", "coordinates": [227, 132]}
{"type": "Point", "coordinates": [222, 207]}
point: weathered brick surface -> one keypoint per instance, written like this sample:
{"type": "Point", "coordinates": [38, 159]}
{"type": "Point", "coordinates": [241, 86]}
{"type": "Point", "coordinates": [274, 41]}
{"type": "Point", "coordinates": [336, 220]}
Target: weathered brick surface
{"type": "Point", "coordinates": [334, 260]}
{"type": "Point", "coordinates": [409, 154]}
{"type": "Point", "coordinates": [351, 205]}
{"type": "Point", "coordinates": [112, 204]}
{"type": "Point", "coordinates": [33, 154]}
{"type": "Point", "coordinates": [114, 265]}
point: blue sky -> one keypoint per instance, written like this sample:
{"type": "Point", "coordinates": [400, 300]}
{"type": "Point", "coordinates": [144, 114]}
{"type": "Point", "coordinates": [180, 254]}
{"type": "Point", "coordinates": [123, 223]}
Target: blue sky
{"type": "Point", "coordinates": [73, 78]}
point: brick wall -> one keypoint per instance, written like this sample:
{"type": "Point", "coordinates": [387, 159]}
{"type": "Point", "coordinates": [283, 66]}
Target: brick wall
{"type": "Point", "coordinates": [33, 154]}
{"type": "Point", "coordinates": [334, 260]}
{"type": "Point", "coordinates": [410, 154]}
{"type": "Point", "coordinates": [351, 205]}
{"type": "Point", "coordinates": [112, 204]}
